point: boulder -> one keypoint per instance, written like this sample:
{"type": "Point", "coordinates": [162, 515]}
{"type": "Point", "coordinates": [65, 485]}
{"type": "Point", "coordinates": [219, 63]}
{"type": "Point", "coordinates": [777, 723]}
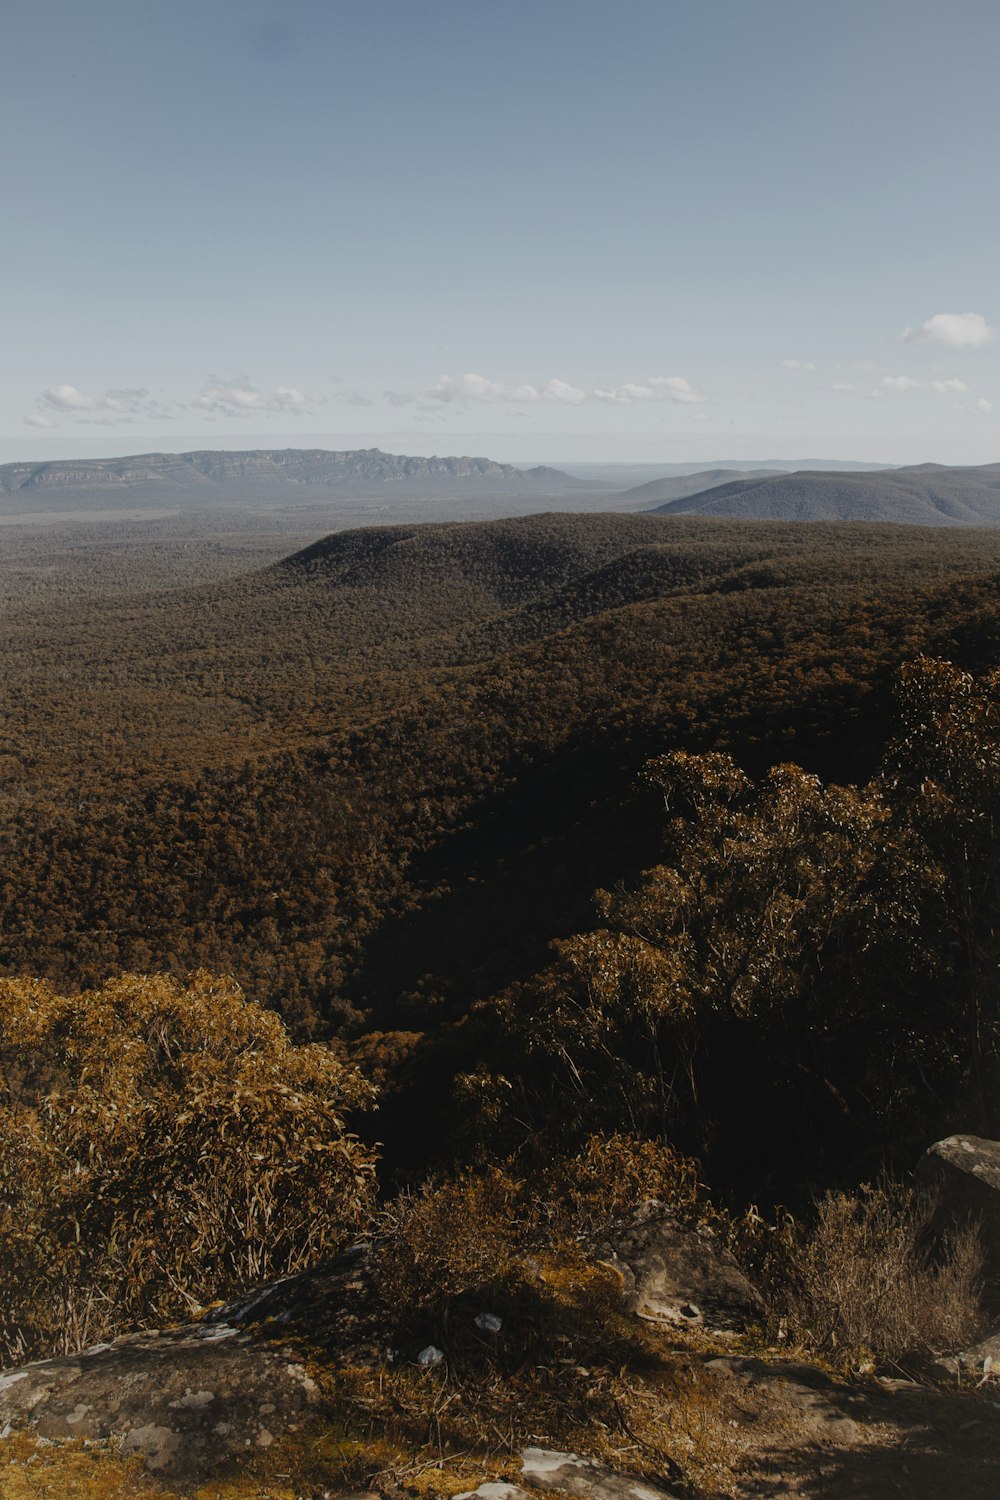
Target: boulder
{"type": "Point", "coordinates": [963, 1172]}
{"type": "Point", "coordinates": [680, 1274]}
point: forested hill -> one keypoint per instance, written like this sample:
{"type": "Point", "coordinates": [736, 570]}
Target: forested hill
{"type": "Point", "coordinates": [924, 495]}
{"type": "Point", "coordinates": [376, 779]}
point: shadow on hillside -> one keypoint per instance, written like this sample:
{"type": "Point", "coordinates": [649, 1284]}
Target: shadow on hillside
{"type": "Point", "coordinates": [521, 872]}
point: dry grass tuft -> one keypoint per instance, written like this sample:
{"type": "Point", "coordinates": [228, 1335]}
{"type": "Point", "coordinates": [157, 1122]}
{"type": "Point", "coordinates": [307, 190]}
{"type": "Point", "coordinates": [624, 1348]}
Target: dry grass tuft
{"type": "Point", "coordinates": [865, 1283]}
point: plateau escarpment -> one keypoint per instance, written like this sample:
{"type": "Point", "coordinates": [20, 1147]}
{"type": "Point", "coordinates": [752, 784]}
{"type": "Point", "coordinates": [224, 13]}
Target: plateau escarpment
{"type": "Point", "coordinates": [215, 477]}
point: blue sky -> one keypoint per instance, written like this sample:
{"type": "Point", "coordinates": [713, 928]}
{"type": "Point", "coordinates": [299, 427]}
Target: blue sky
{"type": "Point", "coordinates": [541, 229]}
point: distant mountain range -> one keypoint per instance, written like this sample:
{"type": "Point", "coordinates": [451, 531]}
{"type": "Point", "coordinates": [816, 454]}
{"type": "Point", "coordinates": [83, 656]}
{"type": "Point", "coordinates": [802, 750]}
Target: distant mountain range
{"type": "Point", "coordinates": [222, 477]}
{"type": "Point", "coordinates": [464, 487]}
{"type": "Point", "coordinates": [923, 495]}
{"type": "Point", "coordinates": [622, 475]}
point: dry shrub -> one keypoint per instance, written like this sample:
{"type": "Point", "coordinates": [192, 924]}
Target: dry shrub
{"type": "Point", "coordinates": [865, 1282]}
{"type": "Point", "coordinates": [612, 1175]}
{"type": "Point", "coordinates": [450, 1239]}
{"type": "Point", "coordinates": [161, 1145]}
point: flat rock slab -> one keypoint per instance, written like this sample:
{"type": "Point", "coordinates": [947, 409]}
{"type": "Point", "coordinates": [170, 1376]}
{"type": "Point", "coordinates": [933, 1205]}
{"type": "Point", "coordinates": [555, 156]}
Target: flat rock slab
{"type": "Point", "coordinates": [548, 1469]}
{"type": "Point", "coordinates": [186, 1401]}
{"type": "Point", "coordinates": [682, 1275]}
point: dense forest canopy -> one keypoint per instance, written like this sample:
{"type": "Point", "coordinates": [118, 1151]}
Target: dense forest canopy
{"type": "Point", "coordinates": [375, 780]}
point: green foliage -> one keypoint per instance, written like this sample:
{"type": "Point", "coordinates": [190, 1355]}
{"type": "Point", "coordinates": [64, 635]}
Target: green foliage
{"type": "Point", "coordinates": [161, 1145]}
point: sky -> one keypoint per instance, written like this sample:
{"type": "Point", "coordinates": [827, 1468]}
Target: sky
{"type": "Point", "coordinates": [542, 230]}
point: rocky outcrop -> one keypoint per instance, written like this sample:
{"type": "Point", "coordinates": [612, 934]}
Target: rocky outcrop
{"type": "Point", "coordinates": [963, 1173]}
{"type": "Point", "coordinates": [207, 1395]}
{"type": "Point", "coordinates": [253, 1392]}
{"type": "Point", "coordinates": [680, 1274]}
{"type": "Point", "coordinates": [185, 1401]}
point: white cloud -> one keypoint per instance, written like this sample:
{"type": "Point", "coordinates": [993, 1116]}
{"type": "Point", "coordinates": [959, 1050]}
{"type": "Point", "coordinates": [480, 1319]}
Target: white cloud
{"type": "Point", "coordinates": [353, 397]}
{"type": "Point", "coordinates": [626, 394]}
{"type": "Point", "coordinates": [949, 387]}
{"type": "Point", "coordinates": [67, 398]}
{"type": "Point", "coordinates": [983, 406]}
{"type": "Point", "coordinates": [797, 364]}
{"type": "Point", "coordinates": [241, 399]}
{"type": "Point", "coordinates": [558, 390]}
{"type": "Point", "coordinates": [462, 389]}
{"type": "Point", "coordinates": [960, 330]}
{"type": "Point", "coordinates": [35, 419]}
{"type": "Point", "coordinates": [116, 404]}
{"type": "Point", "coordinates": [842, 385]}
{"type": "Point", "coordinates": [899, 383]}
{"type": "Point", "coordinates": [136, 402]}
{"type": "Point", "coordinates": [472, 387]}
{"type": "Point", "coordinates": [677, 388]}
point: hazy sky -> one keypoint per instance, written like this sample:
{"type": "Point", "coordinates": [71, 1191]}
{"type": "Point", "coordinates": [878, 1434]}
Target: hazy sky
{"type": "Point", "coordinates": [541, 229]}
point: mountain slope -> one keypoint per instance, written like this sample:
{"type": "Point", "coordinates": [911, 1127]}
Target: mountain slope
{"type": "Point", "coordinates": [923, 495]}
{"type": "Point", "coordinates": [678, 486]}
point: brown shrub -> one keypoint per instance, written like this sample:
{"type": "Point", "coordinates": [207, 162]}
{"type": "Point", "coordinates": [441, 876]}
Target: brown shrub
{"type": "Point", "coordinates": [450, 1239]}
{"type": "Point", "coordinates": [161, 1145]}
{"type": "Point", "coordinates": [612, 1175]}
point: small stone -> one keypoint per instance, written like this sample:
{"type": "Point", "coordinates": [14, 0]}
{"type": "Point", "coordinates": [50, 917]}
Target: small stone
{"type": "Point", "coordinates": [193, 1399]}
